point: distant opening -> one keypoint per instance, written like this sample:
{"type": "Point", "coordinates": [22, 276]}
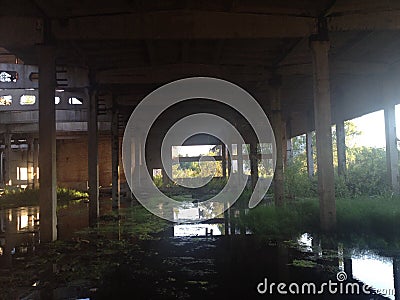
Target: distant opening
{"type": "Point", "coordinates": [22, 173]}
{"type": "Point", "coordinates": [5, 100]}
{"type": "Point", "coordinates": [8, 76]}
{"type": "Point", "coordinates": [75, 101]}
{"type": "Point", "coordinates": [27, 100]}
{"type": "Point", "coordinates": [57, 100]}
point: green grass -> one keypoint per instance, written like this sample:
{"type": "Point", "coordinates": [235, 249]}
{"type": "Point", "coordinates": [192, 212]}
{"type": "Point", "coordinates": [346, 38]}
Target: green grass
{"type": "Point", "coordinates": [377, 217]}
{"type": "Point", "coordinates": [12, 198]}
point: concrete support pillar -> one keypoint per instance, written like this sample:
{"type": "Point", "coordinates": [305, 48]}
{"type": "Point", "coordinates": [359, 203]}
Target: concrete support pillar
{"type": "Point", "coordinates": [223, 147]}
{"type": "Point", "coordinates": [115, 159]}
{"type": "Point", "coordinates": [7, 159]}
{"type": "Point", "coordinates": [392, 156]}
{"type": "Point", "coordinates": [341, 148]}
{"type": "Point", "coordinates": [35, 163]}
{"type": "Point", "coordinates": [29, 162]}
{"type": "Point", "coordinates": [229, 157]}
{"type": "Point", "coordinates": [322, 113]}
{"type": "Point", "coordinates": [47, 140]}
{"type": "Point", "coordinates": [240, 159]}
{"type": "Point", "coordinates": [93, 161]}
{"type": "Point", "coordinates": [275, 85]}
{"type": "Point", "coordinates": [253, 164]}
{"type": "Point", "coordinates": [310, 154]}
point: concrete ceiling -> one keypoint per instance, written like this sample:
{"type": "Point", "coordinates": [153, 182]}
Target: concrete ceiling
{"type": "Point", "coordinates": [133, 47]}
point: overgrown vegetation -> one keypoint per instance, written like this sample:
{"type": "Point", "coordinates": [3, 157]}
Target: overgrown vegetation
{"type": "Point", "coordinates": [15, 197]}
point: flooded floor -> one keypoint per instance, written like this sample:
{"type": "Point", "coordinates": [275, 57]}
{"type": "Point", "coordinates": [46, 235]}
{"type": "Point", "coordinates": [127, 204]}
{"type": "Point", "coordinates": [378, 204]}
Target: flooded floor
{"type": "Point", "coordinates": [200, 261]}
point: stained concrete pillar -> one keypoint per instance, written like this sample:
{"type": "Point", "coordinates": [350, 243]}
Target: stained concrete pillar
{"type": "Point", "coordinates": [115, 159]}
{"type": "Point", "coordinates": [341, 148]}
{"type": "Point", "coordinates": [229, 158]}
{"type": "Point", "coordinates": [93, 159]}
{"type": "Point", "coordinates": [253, 164]}
{"type": "Point", "coordinates": [392, 156]}
{"type": "Point", "coordinates": [275, 88]}
{"type": "Point", "coordinates": [322, 113]}
{"type": "Point", "coordinates": [47, 140]}
{"type": "Point", "coordinates": [310, 154]}
{"type": "Point", "coordinates": [7, 159]}
{"type": "Point", "coordinates": [223, 150]}
{"type": "Point", "coordinates": [35, 163]}
{"type": "Point", "coordinates": [29, 162]}
{"type": "Point", "coordinates": [240, 159]}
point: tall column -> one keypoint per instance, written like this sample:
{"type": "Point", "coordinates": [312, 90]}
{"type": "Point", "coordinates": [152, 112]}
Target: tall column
{"type": "Point", "coordinates": [7, 158]}
{"type": "Point", "coordinates": [341, 148]}
{"type": "Point", "coordinates": [47, 140]}
{"type": "Point", "coordinates": [93, 159]}
{"type": "Point", "coordinates": [392, 156]}
{"type": "Point", "coordinates": [115, 158]}
{"type": "Point", "coordinates": [240, 159]}
{"type": "Point", "coordinates": [223, 148]}
{"type": "Point", "coordinates": [310, 154]}
{"type": "Point", "coordinates": [35, 163]}
{"type": "Point", "coordinates": [29, 162]}
{"type": "Point", "coordinates": [253, 164]}
{"type": "Point", "coordinates": [322, 115]}
{"type": "Point", "coordinates": [229, 157]}
{"type": "Point", "coordinates": [275, 85]}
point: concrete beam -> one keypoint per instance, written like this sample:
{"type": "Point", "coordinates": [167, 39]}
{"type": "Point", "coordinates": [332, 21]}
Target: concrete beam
{"type": "Point", "coordinates": [20, 31]}
{"type": "Point", "coordinates": [186, 25]}
{"type": "Point", "coordinates": [47, 140]}
{"type": "Point", "coordinates": [381, 20]}
{"type": "Point", "coordinates": [169, 72]}
{"type": "Point", "coordinates": [322, 113]}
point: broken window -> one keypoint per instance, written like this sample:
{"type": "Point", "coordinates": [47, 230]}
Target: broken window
{"type": "Point", "coordinates": [6, 100]}
{"type": "Point", "coordinates": [27, 100]}
{"type": "Point", "coordinates": [8, 76]}
{"type": "Point", "coordinates": [75, 101]}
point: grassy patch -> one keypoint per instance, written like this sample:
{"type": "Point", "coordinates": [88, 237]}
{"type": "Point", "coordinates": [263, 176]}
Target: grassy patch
{"type": "Point", "coordinates": [30, 197]}
{"type": "Point", "coordinates": [377, 218]}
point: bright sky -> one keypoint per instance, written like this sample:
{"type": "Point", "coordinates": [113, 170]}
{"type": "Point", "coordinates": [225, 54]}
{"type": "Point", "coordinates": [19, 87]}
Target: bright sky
{"type": "Point", "coordinates": [372, 127]}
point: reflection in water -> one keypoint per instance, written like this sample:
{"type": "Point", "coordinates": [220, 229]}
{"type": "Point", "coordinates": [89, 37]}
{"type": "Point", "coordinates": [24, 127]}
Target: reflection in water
{"type": "Point", "coordinates": [198, 229]}
{"type": "Point", "coordinates": [374, 270]}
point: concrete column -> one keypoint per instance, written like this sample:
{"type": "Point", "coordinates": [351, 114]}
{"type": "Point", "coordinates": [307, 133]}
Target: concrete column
{"type": "Point", "coordinates": [310, 154]}
{"type": "Point", "coordinates": [47, 140]}
{"type": "Point", "coordinates": [253, 164]}
{"type": "Point", "coordinates": [93, 164]}
{"type": "Point", "coordinates": [115, 158]}
{"type": "Point", "coordinates": [322, 113]}
{"type": "Point", "coordinates": [341, 148]}
{"type": "Point", "coordinates": [7, 158]}
{"type": "Point", "coordinates": [223, 154]}
{"type": "Point", "coordinates": [289, 147]}
{"type": "Point", "coordinates": [29, 162]}
{"type": "Point", "coordinates": [275, 85]}
{"type": "Point", "coordinates": [35, 163]}
{"type": "Point", "coordinates": [392, 156]}
{"type": "Point", "coordinates": [229, 157]}
{"type": "Point", "coordinates": [240, 159]}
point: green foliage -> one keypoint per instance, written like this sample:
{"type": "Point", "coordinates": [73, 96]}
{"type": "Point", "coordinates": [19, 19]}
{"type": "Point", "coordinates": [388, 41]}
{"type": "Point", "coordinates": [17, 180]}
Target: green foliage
{"type": "Point", "coordinates": [375, 218]}
{"type": "Point", "coordinates": [16, 197]}
{"type": "Point", "coordinates": [297, 183]}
